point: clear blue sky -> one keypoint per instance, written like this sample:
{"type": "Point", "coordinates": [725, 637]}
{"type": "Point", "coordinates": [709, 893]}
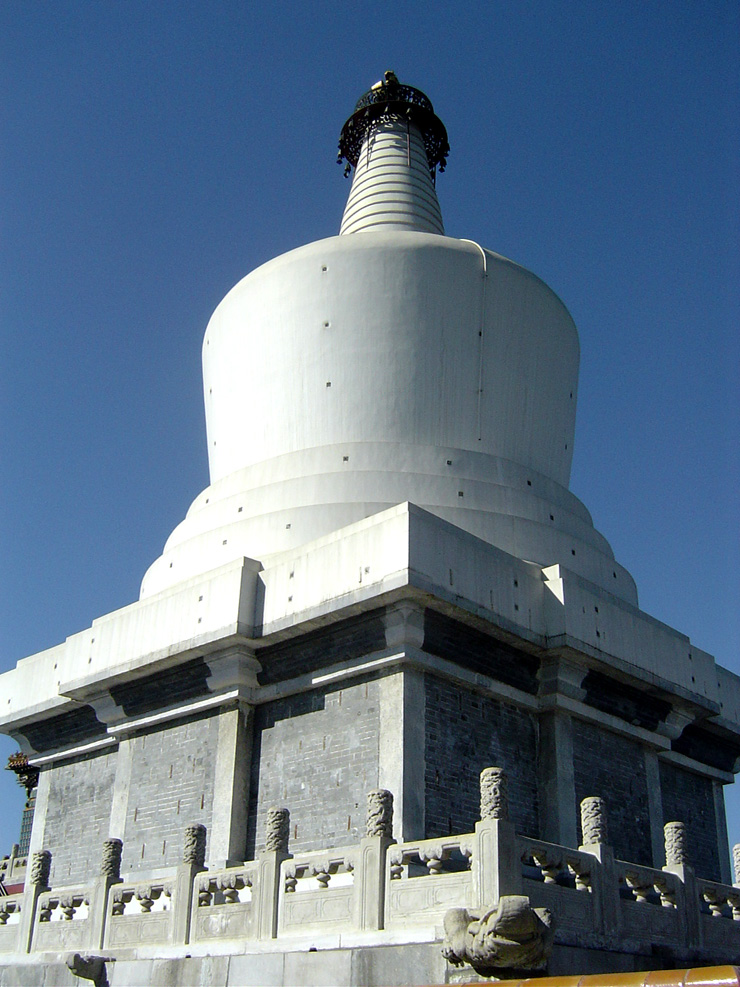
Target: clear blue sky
{"type": "Point", "coordinates": [151, 154]}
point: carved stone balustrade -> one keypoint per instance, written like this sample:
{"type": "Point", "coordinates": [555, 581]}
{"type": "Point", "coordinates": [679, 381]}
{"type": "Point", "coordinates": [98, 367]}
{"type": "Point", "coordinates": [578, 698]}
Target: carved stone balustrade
{"type": "Point", "coordinates": [63, 906]}
{"type": "Point", "coordinates": [318, 891]}
{"type": "Point", "coordinates": [651, 903]}
{"type": "Point", "coordinates": [13, 869]}
{"type": "Point", "coordinates": [384, 889]}
{"type": "Point", "coordinates": [62, 919]}
{"type": "Point", "coordinates": [223, 905]}
{"type": "Point", "coordinates": [560, 880]}
{"type": "Point", "coordinates": [427, 877]}
{"type": "Point", "coordinates": [10, 919]}
{"type": "Point", "coordinates": [641, 885]}
{"type": "Point", "coordinates": [141, 912]}
{"type": "Point", "coordinates": [10, 907]}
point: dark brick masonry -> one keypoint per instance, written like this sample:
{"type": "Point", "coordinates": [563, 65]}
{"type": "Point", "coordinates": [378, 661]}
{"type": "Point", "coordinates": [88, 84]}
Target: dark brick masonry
{"type": "Point", "coordinates": [613, 767]}
{"type": "Point", "coordinates": [338, 642]}
{"type": "Point", "coordinates": [172, 776]}
{"type": "Point", "coordinates": [80, 795]}
{"type": "Point", "coordinates": [465, 733]}
{"type": "Point", "coordinates": [479, 652]}
{"type": "Point", "coordinates": [689, 798]}
{"type": "Point", "coordinates": [316, 754]}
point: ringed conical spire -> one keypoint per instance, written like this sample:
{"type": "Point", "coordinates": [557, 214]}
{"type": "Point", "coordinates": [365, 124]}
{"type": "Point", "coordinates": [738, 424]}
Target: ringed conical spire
{"type": "Point", "coordinates": [395, 142]}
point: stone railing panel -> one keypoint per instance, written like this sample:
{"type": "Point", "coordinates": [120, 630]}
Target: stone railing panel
{"type": "Point", "coordinates": [719, 900]}
{"type": "Point", "coordinates": [720, 914]}
{"type": "Point", "coordinates": [13, 870]}
{"type": "Point", "coordinates": [222, 904]}
{"type": "Point", "coordinates": [425, 878]}
{"type": "Point", "coordinates": [62, 919]}
{"type": "Point", "coordinates": [140, 913]}
{"type": "Point", "coordinates": [10, 917]}
{"type": "Point", "coordinates": [650, 903]}
{"type": "Point", "coordinates": [317, 891]}
{"type": "Point", "coordinates": [560, 879]}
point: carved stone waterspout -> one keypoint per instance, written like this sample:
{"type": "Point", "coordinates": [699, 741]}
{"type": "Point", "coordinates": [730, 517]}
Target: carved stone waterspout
{"type": "Point", "coordinates": [511, 936]}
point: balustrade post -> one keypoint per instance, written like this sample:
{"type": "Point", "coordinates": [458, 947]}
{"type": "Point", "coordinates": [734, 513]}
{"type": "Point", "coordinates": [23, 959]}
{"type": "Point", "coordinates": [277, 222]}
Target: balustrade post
{"type": "Point", "coordinates": [369, 872]}
{"type": "Point", "coordinates": [193, 863]}
{"type": "Point", "coordinates": [688, 903]}
{"type": "Point", "coordinates": [496, 867]}
{"type": "Point", "coordinates": [277, 837]}
{"type": "Point", "coordinates": [110, 874]}
{"type": "Point", "coordinates": [604, 880]}
{"type": "Point", "coordinates": [736, 864]}
{"type": "Point", "coordinates": [37, 882]}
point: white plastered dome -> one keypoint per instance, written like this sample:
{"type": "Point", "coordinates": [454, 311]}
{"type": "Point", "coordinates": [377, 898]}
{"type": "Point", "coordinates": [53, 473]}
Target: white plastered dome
{"type": "Point", "coordinates": [384, 365]}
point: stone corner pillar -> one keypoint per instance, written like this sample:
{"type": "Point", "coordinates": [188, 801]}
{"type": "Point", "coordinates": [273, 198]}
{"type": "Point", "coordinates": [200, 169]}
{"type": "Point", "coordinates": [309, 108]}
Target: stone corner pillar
{"type": "Point", "coordinates": [369, 872]}
{"type": "Point", "coordinates": [193, 863]}
{"type": "Point", "coordinates": [497, 868]}
{"type": "Point", "coordinates": [402, 747]}
{"type": "Point", "coordinates": [604, 880]}
{"type": "Point", "coordinates": [110, 874]}
{"type": "Point", "coordinates": [37, 883]}
{"type": "Point", "coordinates": [270, 860]}
{"type": "Point", "coordinates": [227, 837]}
{"type": "Point", "coordinates": [723, 844]}
{"type": "Point", "coordinates": [556, 778]}
{"type": "Point", "coordinates": [687, 900]}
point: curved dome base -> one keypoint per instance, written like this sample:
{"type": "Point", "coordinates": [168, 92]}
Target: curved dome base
{"type": "Point", "coordinates": [281, 504]}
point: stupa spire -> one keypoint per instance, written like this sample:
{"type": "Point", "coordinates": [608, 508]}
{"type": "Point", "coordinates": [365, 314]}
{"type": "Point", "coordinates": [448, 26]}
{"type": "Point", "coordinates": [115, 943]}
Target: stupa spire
{"type": "Point", "coordinates": [395, 143]}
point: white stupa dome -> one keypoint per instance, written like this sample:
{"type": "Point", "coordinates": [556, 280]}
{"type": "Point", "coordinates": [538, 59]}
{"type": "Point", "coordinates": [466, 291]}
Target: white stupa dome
{"type": "Point", "coordinates": [390, 363]}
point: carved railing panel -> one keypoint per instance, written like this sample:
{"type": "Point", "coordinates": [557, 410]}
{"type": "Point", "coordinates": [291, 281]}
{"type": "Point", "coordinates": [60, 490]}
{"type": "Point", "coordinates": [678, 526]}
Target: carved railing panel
{"type": "Point", "coordinates": [222, 904]}
{"type": "Point", "coordinates": [647, 886]}
{"type": "Point", "coordinates": [425, 878]}
{"type": "Point", "coordinates": [13, 870]}
{"type": "Point", "coordinates": [10, 917]}
{"type": "Point", "coordinates": [649, 902]}
{"type": "Point", "coordinates": [62, 919]}
{"type": "Point", "coordinates": [551, 864]}
{"type": "Point", "coordinates": [317, 889]}
{"type": "Point", "coordinates": [10, 910]}
{"type": "Point", "coordinates": [140, 913]}
{"type": "Point", "coordinates": [719, 900]}
{"type": "Point", "coordinates": [719, 905]}
{"type": "Point", "coordinates": [560, 879]}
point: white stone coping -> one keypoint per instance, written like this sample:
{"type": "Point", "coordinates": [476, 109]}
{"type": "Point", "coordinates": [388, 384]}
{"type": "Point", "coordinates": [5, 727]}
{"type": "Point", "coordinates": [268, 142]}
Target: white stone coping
{"type": "Point", "coordinates": [409, 554]}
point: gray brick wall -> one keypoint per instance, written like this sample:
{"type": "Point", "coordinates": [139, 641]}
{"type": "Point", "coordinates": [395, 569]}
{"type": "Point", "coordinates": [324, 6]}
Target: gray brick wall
{"type": "Point", "coordinates": [689, 798]}
{"type": "Point", "coordinates": [172, 778]}
{"type": "Point", "coordinates": [465, 733]}
{"type": "Point", "coordinates": [613, 768]}
{"type": "Point", "coordinates": [317, 755]}
{"type": "Point", "coordinates": [77, 817]}
{"type": "Point", "coordinates": [338, 642]}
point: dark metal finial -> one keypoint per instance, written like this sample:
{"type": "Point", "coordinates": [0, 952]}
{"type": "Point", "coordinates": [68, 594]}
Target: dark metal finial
{"type": "Point", "coordinates": [387, 100]}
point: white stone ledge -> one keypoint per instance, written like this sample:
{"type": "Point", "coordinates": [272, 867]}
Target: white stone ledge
{"type": "Point", "coordinates": [177, 712]}
{"type": "Point", "coordinates": [76, 751]}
